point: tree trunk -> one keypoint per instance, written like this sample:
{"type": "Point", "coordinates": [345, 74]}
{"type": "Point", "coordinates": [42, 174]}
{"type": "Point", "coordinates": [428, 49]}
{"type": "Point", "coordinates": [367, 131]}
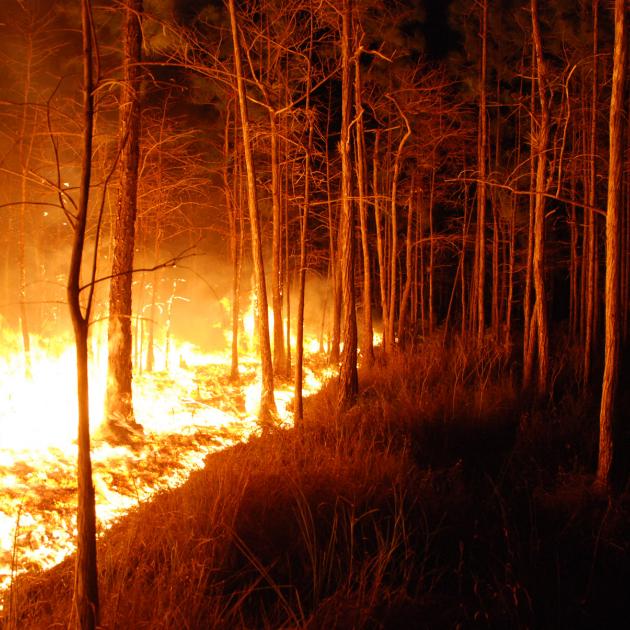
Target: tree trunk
{"type": "Point", "coordinates": [393, 261]}
{"type": "Point", "coordinates": [86, 604]}
{"type": "Point", "coordinates": [482, 166]}
{"type": "Point", "coordinates": [267, 402]}
{"type": "Point", "coordinates": [276, 246]}
{"type": "Point", "coordinates": [591, 226]}
{"type": "Point", "coordinates": [367, 347]}
{"type": "Point", "coordinates": [612, 321]}
{"type": "Point", "coordinates": [538, 260]}
{"type": "Point", "coordinates": [299, 334]}
{"type": "Point", "coordinates": [119, 406]}
{"type": "Point", "coordinates": [348, 375]}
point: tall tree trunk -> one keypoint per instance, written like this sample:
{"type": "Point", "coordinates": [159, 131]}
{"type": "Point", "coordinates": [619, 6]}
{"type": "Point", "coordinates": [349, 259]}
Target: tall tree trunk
{"type": "Point", "coordinates": [393, 261]}
{"type": "Point", "coordinates": [409, 255]}
{"type": "Point", "coordinates": [612, 322]}
{"type": "Point", "coordinates": [267, 402]}
{"type": "Point", "coordinates": [119, 406]}
{"type": "Point", "coordinates": [334, 237]}
{"type": "Point", "coordinates": [538, 261]}
{"type": "Point", "coordinates": [86, 604]}
{"type": "Point", "coordinates": [348, 375]}
{"type": "Point", "coordinates": [299, 333]}
{"type": "Point", "coordinates": [591, 226]}
{"type": "Point", "coordinates": [380, 251]}
{"type": "Point", "coordinates": [236, 242]}
{"type": "Point", "coordinates": [276, 246]}
{"type": "Point", "coordinates": [482, 166]}
{"type": "Point", "coordinates": [367, 347]}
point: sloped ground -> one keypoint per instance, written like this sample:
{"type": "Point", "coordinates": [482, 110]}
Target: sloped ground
{"type": "Point", "coordinates": [441, 500]}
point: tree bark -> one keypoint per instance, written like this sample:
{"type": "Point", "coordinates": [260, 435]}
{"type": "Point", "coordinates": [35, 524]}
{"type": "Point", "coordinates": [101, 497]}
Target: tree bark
{"type": "Point", "coordinates": [119, 405]}
{"type": "Point", "coordinates": [538, 260]}
{"type": "Point", "coordinates": [348, 375]}
{"type": "Point", "coordinates": [482, 166]}
{"type": "Point", "coordinates": [86, 601]}
{"type": "Point", "coordinates": [267, 402]}
{"type": "Point", "coordinates": [612, 321]}
{"type": "Point", "coordinates": [367, 347]}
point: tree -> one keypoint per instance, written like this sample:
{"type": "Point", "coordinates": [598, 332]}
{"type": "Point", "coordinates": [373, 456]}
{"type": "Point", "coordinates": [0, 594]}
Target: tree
{"type": "Point", "coordinates": [540, 144]}
{"type": "Point", "coordinates": [267, 402]}
{"type": "Point", "coordinates": [86, 601]}
{"type": "Point", "coordinates": [119, 412]}
{"type": "Point", "coordinates": [348, 375]}
{"type": "Point", "coordinates": [612, 318]}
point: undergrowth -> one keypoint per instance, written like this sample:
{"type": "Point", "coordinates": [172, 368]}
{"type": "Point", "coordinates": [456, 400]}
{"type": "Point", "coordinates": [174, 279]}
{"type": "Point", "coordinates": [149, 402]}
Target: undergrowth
{"type": "Point", "coordinates": [442, 499]}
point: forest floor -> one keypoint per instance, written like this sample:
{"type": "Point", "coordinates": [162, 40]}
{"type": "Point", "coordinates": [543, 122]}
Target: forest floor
{"type": "Point", "coordinates": [445, 498]}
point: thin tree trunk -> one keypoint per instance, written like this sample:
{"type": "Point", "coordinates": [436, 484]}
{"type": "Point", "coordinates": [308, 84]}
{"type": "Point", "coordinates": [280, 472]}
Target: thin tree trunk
{"type": "Point", "coordinates": [348, 375]}
{"type": "Point", "coordinates": [299, 333]}
{"type": "Point", "coordinates": [267, 402]}
{"type": "Point", "coordinates": [591, 226]}
{"type": "Point", "coordinates": [276, 245]}
{"type": "Point", "coordinates": [607, 446]}
{"type": "Point", "coordinates": [86, 601]}
{"type": "Point", "coordinates": [367, 347]}
{"type": "Point", "coordinates": [393, 261]}
{"type": "Point", "coordinates": [481, 188]}
{"type": "Point", "coordinates": [380, 253]}
{"type": "Point", "coordinates": [538, 262]}
{"type": "Point", "coordinates": [119, 405]}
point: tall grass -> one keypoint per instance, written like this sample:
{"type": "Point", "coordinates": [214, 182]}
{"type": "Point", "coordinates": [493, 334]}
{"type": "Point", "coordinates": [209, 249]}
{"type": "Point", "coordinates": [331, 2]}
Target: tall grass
{"type": "Point", "coordinates": [443, 499]}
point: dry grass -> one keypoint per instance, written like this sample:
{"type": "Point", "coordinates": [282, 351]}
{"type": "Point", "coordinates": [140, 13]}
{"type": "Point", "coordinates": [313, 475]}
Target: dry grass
{"type": "Point", "coordinates": [434, 502]}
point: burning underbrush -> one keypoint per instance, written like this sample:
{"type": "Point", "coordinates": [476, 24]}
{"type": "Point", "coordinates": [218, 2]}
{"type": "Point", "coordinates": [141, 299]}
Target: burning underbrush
{"type": "Point", "coordinates": [186, 412]}
{"type": "Point", "coordinates": [432, 503]}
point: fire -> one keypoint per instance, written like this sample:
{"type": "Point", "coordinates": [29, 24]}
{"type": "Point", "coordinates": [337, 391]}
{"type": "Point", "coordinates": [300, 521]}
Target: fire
{"type": "Point", "coordinates": [186, 412]}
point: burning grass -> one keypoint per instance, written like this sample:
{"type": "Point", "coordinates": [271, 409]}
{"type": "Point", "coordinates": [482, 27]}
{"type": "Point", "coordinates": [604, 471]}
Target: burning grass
{"type": "Point", "coordinates": [432, 503]}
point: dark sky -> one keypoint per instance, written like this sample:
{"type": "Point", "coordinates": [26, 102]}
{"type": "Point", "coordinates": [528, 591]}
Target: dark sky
{"type": "Point", "coordinates": [440, 39]}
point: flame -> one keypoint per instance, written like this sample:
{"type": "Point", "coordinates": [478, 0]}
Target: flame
{"type": "Point", "coordinates": [194, 401]}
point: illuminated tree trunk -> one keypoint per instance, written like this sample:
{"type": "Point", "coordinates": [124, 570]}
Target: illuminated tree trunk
{"type": "Point", "coordinates": [480, 248]}
{"type": "Point", "coordinates": [235, 238]}
{"type": "Point", "coordinates": [380, 250]}
{"type": "Point", "coordinates": [612, 320]}
{"type": "Point", "coordinates": [24, 159]}
{"type": "Point", "coordinates": [276, 246]}
{"type": "Point", "coordinates": [348, 375]}
{"type": "Point", "coordinates": [367, 348]}
{"type": "Point", "coordinates": [86, 604]}
{"type": "Point", "coordinates": [119, 406]}
{"type": "Point", "coordinates": [528, 320]}
{"type": "Point", "coordinates": [267, 402]}
{"type": "Point", "coordinates": [334, 236]}
{"type": "Point", "coordinates": [591, 226]}
{"type": "Point", "coordinates": [409, 255]}
{"type": "Point", "coordinates": [299, 346]}
{"type": "Point", "coordinates": [538, 257]}
{"type": "Point", "coordinates": [394, 243]}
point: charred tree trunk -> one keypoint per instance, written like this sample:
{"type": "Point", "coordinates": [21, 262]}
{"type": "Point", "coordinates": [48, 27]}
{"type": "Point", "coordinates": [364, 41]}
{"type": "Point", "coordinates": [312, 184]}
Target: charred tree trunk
{"type": "Point", "coordinates": [119, 406]}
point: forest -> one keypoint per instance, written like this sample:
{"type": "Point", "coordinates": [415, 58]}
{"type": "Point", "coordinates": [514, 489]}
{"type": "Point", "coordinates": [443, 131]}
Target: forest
{"type": "Point", "coordinates": [314, 313]}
